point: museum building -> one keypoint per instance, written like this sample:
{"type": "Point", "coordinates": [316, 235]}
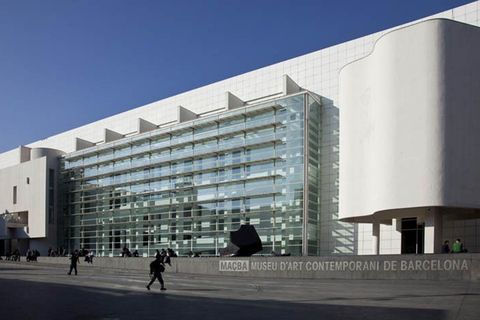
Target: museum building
{"type": "Point", "coordinates": [366, 147]}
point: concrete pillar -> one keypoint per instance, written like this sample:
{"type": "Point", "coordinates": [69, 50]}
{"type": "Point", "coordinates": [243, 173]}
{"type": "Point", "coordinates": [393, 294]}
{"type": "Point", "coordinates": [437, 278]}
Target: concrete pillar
{"type": "Point", "coordinates": [396, 236]}
{"type": "Point", "coordinates": [376, 237]}
{"type": "Point", "coordinates": [433, 230]}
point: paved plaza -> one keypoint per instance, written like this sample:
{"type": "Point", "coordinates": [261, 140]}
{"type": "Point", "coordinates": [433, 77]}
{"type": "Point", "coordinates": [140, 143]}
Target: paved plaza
{"type": "Point", "coordinates": [41, 291]}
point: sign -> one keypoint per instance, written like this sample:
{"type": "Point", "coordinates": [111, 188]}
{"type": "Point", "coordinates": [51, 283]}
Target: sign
{"type": "Point", "coordinates": [345, 265]}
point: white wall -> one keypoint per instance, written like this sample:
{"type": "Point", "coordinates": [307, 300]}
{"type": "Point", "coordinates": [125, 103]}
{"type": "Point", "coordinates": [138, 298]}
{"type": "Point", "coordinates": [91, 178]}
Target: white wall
{"type": "Point", "coordinates": [31, 179]}
{"type": "Point", "coordinates": [409, 129]}
{"type": "Point", "coordinates": [30, 197]}
{"type": "Point", "coordinates": [409, 124]}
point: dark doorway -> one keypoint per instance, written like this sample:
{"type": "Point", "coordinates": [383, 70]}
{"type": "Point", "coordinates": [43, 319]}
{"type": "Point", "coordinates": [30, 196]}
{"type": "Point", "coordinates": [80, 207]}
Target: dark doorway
{"type": "Point", "coordinates": [412, 236]}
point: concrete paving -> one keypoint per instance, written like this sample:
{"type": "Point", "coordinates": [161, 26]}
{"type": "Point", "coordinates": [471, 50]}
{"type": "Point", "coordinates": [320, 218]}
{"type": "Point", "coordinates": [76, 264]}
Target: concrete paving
{"type": "Point", "coordinates": [40, 291]}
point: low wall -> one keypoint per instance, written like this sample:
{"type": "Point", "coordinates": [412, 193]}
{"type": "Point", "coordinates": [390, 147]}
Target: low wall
{"type": "Point", "coordinates": [460, 267]}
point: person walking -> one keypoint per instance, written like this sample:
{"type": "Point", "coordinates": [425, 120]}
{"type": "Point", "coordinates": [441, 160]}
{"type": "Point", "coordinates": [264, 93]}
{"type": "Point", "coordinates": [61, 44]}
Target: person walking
{"type": "Point", "coordinates": [156, 269]}
{"type": "Point", "coordinates": [73, 264]}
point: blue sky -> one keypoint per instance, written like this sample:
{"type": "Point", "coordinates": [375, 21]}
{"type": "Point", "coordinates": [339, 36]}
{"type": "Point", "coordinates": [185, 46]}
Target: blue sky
{"type": "Point", "coordinates": [67, 63]}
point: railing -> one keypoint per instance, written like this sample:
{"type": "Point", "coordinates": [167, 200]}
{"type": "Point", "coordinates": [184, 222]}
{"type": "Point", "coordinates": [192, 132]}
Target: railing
{"type": "Point", "coordinates": [15, 218]}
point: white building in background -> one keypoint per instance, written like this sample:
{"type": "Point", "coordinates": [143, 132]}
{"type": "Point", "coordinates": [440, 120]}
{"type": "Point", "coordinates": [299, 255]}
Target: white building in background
{"type": "Point", "coordinates": [409, 146]}
{"type": "Point", "coordinates": [398, 159]}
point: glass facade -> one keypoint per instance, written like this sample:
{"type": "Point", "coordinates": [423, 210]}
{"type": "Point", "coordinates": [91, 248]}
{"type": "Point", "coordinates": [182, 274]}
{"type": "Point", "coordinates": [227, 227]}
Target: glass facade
{"type": "Point", "coordinates": [187, 186]}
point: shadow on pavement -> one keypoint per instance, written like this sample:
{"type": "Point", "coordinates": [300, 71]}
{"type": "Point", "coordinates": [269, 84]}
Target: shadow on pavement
{"type": "Point", "coordinates": [15, 269]}
{"type": "Point", "coordinates": [35, 300]}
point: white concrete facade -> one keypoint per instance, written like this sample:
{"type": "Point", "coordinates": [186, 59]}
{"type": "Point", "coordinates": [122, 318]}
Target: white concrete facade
{"type": "Point", "coordinates": [317, 72]}
{"type": "Point", "coordinates": [409, 130]}
{"type": "Point", "coordinates": [26, 216]}
{"type": "Point", "coordinates": [409, 127]}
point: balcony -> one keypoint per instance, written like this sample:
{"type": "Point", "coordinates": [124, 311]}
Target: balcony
{"type": "Point", "coordinates": [16, 220]}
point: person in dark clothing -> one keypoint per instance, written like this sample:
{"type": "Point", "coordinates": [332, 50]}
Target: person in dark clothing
{"type": "Point", "coordinates": [446, 247]}
{"type": "Point", "coordinates": [16, 255]}
{"type": "Point", "coordinates": [73, 263]}
{"type": "Point", "coordinates": [171, 253]}
{"type": "Point", "coordinates": [35, 255]}
{"type": "Point", "coordinates": [156, 269]}
{"type": "Point", "coordinates": [126, 252]}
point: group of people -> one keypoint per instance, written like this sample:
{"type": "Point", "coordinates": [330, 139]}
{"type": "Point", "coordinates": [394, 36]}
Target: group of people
{"type": "Point", "coordinates": [13, 256]}
{"type": "Point", "coordinates": [88, 254]}
{"type": "Point", "coordinates": [32, 255]}
{"type": "Point", "coordinates": [157, 267]}
{"type": "Point", "coordinates": [192, 254]}
{"type": "Point", "coordinates": [126, 252]}
{"type": "Point", "coordinates": [456, 248]}
{"type": "Point", "coordinates": [60, 252]}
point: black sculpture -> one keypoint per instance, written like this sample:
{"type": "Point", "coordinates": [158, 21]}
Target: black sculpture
{"type": "Point", "coordinates": [243, 243]}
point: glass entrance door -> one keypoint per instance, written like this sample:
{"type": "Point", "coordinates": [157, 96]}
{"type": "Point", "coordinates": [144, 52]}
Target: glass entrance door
{"type": "Point", "coordinates": [412, 236]}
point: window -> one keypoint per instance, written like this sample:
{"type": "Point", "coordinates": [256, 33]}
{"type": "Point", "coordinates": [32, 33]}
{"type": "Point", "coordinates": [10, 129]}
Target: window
{"type": "Point", "coordinates": [15, 195]}
{"type": "Point", "coordinates": [51, 196]}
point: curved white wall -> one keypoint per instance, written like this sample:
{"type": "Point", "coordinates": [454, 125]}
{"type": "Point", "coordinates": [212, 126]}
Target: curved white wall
{"type": "Point", "coordinates": [37, 153]}
{"type": "Point", "coordinates": [410, 122]}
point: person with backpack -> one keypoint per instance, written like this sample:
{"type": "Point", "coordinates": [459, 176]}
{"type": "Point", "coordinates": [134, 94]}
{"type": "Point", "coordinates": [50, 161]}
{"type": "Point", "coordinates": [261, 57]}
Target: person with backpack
{"type": "Point", "coordinates": [156, 269]}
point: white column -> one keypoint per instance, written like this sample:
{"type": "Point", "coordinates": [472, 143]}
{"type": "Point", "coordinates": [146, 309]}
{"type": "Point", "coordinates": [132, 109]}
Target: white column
{"type": "Point", "coordinates": [433, 238]}
{"type": "Point", "coordinates": [376, 237]}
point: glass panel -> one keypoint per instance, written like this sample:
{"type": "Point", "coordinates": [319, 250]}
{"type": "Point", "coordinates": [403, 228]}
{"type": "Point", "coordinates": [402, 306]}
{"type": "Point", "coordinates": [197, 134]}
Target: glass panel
{"type": "Point", "coordinates": [182, 137]}
{"type": "Point", "coordinates": [231, 125]}
{"type": "Point", "coordinates": [105, 168]}
{"type": "Point", "coordinates": [205, 132]}
{"type": "Point", "coordinates": [205, 147]}
{"type": "Point", "coordinates": [205, 163]}
{"type": "Point", "coordinates": [126, 151]}
{"type": "Point", "coordinates": [142, 147]}
{"type": "Point", "coordinates": [161, 142]}
{"type": "Point", "coordinates": [162, 156]}
{"type": "Point", "coordinates": [104, 156]}
{"type": "Point", "coordinates": [90, 160]}
{"type": "Point", "coordinates": [205, 178]}
{"type": "Point", "coordinates": [146, 201]}
{"type": "Point", "coordinates": [231, 142]}
{"type": "Point", "coordinates": [141, 161]}
{"type": "Point", "coordinates": [207, 193]}
{"type": "Point", "coordinates": [182, 152]}
{"type": "Point", "coordinates": [122, 164]}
